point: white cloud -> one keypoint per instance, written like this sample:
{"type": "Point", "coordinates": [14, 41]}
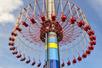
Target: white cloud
{"type": "Point", "coordinates": [7, 17]}
{"type": "Point", "coordinates": [6, 7]}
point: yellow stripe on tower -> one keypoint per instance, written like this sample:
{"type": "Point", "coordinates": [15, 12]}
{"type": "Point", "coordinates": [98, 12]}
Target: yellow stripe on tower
{"type": "Point", "coordinates": [52, 45]}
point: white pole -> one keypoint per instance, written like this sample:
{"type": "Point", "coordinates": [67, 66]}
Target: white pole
{"type": "Point", "coordinates": [50, 8]}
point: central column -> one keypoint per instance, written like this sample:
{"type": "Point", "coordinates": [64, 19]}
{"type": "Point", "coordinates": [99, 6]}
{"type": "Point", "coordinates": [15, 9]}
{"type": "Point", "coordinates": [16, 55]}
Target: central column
{"type": "Point", "coordinates": [52, 43]}
{"type": "Point", "coordinates": [50, 8]}
{"type": "Point", "coordinates": [53, 52]}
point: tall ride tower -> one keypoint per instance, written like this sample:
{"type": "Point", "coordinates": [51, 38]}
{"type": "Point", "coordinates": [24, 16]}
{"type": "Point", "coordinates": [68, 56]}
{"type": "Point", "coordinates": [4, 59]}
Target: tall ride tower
{"type": "Point", "coordinates": [52, 34]}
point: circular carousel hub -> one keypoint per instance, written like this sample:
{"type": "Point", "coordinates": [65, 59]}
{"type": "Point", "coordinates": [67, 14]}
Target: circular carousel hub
{"type": "Point", "coordinates": [51, 26]}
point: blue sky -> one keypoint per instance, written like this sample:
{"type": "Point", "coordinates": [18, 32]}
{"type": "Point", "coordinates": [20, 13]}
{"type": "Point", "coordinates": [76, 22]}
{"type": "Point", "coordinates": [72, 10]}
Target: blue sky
{"type": "Point", "coordinates": [93, 11]}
